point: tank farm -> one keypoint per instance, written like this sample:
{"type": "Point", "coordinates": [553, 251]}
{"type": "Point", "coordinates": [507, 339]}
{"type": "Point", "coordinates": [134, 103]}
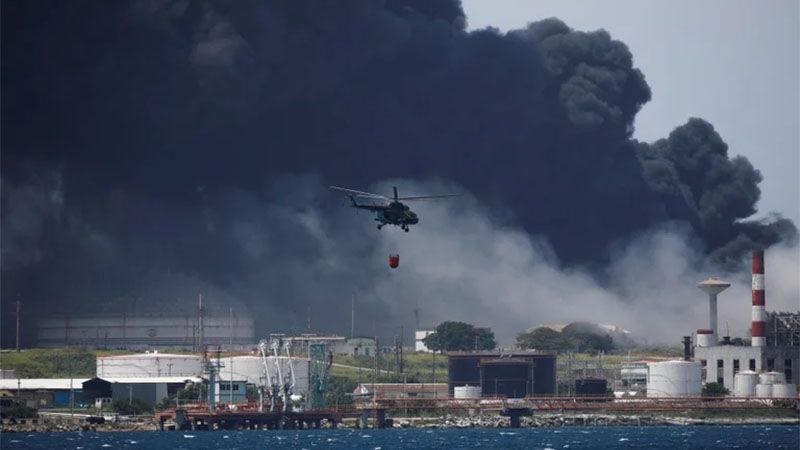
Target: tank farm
{"type": "Point", "coordinates": [512, 384]}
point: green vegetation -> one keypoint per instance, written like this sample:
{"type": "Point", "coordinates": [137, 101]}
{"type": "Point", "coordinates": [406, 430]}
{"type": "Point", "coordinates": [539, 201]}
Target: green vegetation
{"type": "Point", "coordinates": [460, 336]}
{"type": "Point", "coordinates": [543, 338]}
{"type": "Point", "coordinates": [18, 412]}
{"type": "Point", "coordinates": [133, 407]}
{"type": "Point", "coordinates": [50, 363]}
{"type": "Point", "coordinates": [715, 390]}
{"type": "Point", "coordinates": [192, 393]}
{"type": "Point", "coordinates": [577, 336]}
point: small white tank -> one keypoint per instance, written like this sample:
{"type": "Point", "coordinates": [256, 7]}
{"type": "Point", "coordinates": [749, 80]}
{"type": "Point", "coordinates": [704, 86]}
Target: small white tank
{"type": "Point", "coordinates": [772, 378]}
{"type": "Point", "coordinates": [674, 379]}
{"type": "Point", "coordinates": [763, 390]}
{"type": "Point", "coordinates": [744, 383]}
{"type": "Point", "coordinates": [467, 392]}
{"type": "Point", "coordinates": [784, 391]}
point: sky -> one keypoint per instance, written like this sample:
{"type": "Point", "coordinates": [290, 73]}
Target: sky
{"type": "Point", "coordinates": [734, 63]}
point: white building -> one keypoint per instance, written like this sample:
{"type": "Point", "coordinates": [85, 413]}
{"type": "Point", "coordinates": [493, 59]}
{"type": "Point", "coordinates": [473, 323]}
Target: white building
{"type": "Point", "coordinates": [419, 335]}
{"type": "Point", "coordinates": [720, 363]}
{"type": "Point", "coordinates": [355, 346]}
{"type": "Point", "coordinates": [231, 392]}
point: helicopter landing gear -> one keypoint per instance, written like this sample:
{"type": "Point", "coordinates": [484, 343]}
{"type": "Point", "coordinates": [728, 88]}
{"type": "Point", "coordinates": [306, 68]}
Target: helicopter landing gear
{"type": "Point", "coordinates": [380, 226]}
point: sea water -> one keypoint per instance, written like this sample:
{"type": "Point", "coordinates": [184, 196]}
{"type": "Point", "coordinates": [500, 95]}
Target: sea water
{"type": "Point", "coordinates": [655, 437]}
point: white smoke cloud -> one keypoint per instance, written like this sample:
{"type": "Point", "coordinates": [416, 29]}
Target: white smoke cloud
{"type": "Point", "coordinates": [461, 263]}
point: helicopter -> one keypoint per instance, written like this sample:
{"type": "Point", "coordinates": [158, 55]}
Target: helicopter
{"type": "Point", "coordinates": [393, 212]}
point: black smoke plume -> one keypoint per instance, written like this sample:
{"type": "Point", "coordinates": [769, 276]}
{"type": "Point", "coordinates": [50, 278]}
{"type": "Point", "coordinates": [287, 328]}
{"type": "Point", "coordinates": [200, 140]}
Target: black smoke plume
{"type": "Point", "coordinates": [146, 145]}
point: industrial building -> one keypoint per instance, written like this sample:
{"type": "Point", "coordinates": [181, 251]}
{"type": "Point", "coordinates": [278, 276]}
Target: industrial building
{"type": "Point", "coordinates": [338, 345]}
{"type": "Point", "coordinates": [231, 392]}
{"type": "Point", "coordinates": [512, 375]}
{"type": "Point", "coordinates": [779, 352]}
{"type": "Point", "coordinates": [150, 390]}
{"type": "Point", "coordinates": [147, 331]}
{"type": "Point", "coordinates": [45, 392]}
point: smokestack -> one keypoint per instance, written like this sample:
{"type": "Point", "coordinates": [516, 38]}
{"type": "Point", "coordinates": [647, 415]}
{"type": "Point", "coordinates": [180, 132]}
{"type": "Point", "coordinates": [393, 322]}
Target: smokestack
{"type": "Point", "coordinates": [758, 327]}
{"type": "Point", "coordinates": [712, 287]}
{"type": "Point", "coordinates": [687, 348]}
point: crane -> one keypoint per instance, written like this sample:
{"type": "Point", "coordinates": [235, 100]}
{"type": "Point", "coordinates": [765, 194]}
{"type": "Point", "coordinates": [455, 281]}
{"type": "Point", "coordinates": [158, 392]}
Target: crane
{"type": "Point", "coordinates": [270, 387]}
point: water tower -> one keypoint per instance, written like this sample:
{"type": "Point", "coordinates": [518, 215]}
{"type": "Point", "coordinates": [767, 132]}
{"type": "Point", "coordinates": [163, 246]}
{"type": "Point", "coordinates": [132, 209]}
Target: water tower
{"type": "Point", "coordinates": [712, 287]}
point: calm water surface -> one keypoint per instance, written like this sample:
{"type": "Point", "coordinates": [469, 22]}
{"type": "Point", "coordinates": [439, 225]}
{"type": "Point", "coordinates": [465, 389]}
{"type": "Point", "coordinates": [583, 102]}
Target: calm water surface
{"type": "Point", "coordinates": [677, 437]}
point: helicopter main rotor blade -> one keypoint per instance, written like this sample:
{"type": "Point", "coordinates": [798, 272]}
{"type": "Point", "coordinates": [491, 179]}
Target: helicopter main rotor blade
{"type": "Point", "coordinates": [359, 193]}
{"type": "Point", "coordinates": [426, 197]}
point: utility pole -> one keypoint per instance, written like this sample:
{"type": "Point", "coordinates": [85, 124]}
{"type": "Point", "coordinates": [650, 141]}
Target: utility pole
{"type": "Point", "coordinates": [201, 343]}
{"type": "Point", "coordinates": [353, 316]}
{"type": "Point", "coordinates": [402, 363]}
{"type": "Point", "coordinates": [308, 318]}
{"type": "Point", "coordinates": [375, 373]}
{"type": "Point", "coordinates": [230, 328]}
{"type": "Point", "coordinates": [18, 303]}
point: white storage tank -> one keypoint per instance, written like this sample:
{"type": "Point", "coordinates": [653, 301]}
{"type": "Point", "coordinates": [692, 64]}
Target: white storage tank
{"type": "Point", "coordinates": [150, 364]}
{"type": "Point", "coordinates": [674, 379]}
{"type": "Point", "coordinates": [251, 369]}
{"type": "Point", "coordinates": [744, 383]}
{"type": "Point", "coordinates": [784, 391]}
{"type": "Point", "coordinates": [467, 392]}
{"type": "Point", "coordinates": [772, 378]}
{"type": "Point", "coordinates": [763, 390]}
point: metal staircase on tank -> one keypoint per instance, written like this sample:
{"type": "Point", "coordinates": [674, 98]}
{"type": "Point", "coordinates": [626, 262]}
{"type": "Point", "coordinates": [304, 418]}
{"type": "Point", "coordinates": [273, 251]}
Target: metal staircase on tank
{"type": "Point", "coordinates": [320, 366]}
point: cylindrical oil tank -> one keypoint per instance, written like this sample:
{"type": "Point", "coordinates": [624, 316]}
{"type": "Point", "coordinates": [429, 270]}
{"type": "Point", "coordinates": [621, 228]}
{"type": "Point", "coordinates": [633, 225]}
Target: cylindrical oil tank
{"type": "Point", "coordinates": [465, 369]}
{"type": "Point", "coordinates": [674, 379]}
{"type": "Point", "coordinates": [251, 369]}
{"type": "Point", "coordinates": [151, 364]}
{"type": "Point", "coordinates": [544, 375]}
{"type": "Point", "coordinates": [467, 392]}
{"type": "Point", "coordinates": [744, 383]}
{"type": "Point", "coordinates": [784, 391]}
{"type": "Point", "coordinates": [763, 390]}
{"type": "Point", "coordinates": [591, 387]}
{"type": "Point", "coordinates": [772, 378]}
{"type": "Point", "coordinates": [505, 377]}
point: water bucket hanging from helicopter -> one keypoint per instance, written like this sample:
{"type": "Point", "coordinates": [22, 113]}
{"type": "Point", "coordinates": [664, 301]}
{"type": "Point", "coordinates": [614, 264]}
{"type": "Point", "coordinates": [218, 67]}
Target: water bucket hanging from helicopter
{"type": "Point", "coordinates": [394, 261]}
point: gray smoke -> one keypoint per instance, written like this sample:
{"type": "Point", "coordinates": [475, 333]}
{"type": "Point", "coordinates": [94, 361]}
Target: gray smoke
{"type": "Point", "coordinates": [152, 150]}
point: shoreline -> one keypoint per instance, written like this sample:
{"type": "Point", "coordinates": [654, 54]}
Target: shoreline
{"type": "Point", "coordinates": [448, 421]}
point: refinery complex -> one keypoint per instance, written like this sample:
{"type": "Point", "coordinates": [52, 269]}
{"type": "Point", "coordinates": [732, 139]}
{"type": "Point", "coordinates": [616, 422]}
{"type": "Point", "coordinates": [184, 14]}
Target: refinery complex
{"type": "Point", "coordinates": [282, 381]}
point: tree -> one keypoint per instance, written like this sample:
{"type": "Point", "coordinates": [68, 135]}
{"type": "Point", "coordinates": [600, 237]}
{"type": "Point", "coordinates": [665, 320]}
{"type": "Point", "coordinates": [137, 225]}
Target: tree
{"type": "Point", "coordinates": [460, 336]}
{"type": "Point", "coordinates": [543, 338]}
{"type": "Point", "coordinates": [715, 390]}
{"type": "Point", "coordinates": [585, 336]}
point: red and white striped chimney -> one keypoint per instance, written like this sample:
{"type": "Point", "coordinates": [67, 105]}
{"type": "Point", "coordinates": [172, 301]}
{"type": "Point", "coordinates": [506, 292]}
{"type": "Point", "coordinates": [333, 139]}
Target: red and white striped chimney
{"type": "Point", "coordinates": [758, 330]}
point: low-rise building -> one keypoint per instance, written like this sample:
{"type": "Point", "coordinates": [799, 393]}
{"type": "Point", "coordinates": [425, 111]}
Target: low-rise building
{"type": "Point", "coordinates": [45, 392]}
{"type": "Point", "coordinates": [419, 340]}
